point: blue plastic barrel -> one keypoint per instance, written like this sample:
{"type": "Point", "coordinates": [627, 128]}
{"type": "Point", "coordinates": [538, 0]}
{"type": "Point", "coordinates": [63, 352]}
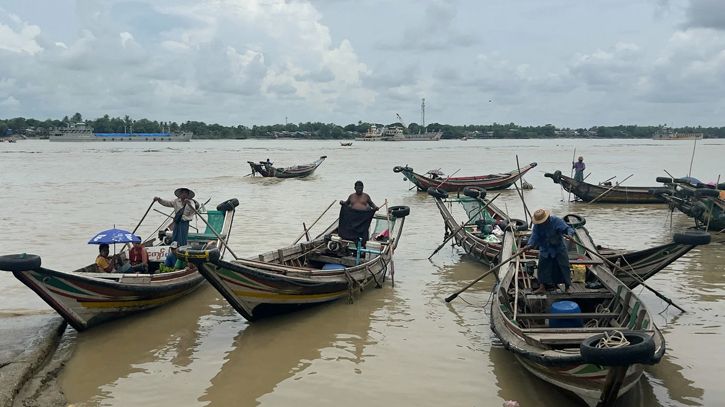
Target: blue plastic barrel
{"type": "Point", "coordinates": [333, 266]}
{"type": "Point", "coordinates": [565, 307]}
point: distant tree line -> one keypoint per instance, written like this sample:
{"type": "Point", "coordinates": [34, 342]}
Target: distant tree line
{"type": "Point", "coordinates": [309, 130]}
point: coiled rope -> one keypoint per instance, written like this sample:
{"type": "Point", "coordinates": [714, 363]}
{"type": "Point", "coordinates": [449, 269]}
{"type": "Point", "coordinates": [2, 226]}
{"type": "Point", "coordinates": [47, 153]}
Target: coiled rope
{"type": "Point", "coordinates": [614, 340]}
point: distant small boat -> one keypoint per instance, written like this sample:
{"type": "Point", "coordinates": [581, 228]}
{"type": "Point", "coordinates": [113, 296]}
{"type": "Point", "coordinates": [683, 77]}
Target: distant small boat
{"type": "Point", "coordinates": [266, 169]}
{"type": "Point", "coordinates": [347, 144]}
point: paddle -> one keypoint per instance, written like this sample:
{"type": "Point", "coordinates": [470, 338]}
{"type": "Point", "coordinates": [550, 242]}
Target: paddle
{"type": "Point", "coordinates": [468, 222]}
{"type": "Point", "coordinates": [139, 223]}
{"type": "Point", "coordinates": [609, 190]}
{"type": "Point", "coordinates": [454, 295]}
{"type": "Point", "coordinates": [636, 277]}
{"type": "Point", "coordinates": [521, 193]}
{"type": "Point", "coordinates": [169, 216]}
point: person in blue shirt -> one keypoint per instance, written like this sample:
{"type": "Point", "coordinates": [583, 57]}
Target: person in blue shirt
{"type": "Point", "coordinates": [547, 234]}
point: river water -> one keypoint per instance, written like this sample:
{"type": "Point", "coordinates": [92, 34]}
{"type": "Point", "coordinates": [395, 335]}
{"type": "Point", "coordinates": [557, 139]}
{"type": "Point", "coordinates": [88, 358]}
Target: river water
{"type": "Point", "coordinates": [400, 345]}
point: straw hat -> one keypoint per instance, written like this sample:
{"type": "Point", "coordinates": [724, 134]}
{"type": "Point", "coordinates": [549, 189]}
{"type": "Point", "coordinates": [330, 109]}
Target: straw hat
{"type": "Point", "coordinates": [540, 216]}
{"type": "Point", "coordinates": [179, 190]}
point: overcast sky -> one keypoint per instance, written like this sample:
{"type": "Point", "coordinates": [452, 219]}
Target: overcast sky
{"type": "Point", "coordinates": [571, 63]}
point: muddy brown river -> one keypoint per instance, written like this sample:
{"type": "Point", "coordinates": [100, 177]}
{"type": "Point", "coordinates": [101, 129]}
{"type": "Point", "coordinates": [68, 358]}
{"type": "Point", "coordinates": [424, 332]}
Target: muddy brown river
{"type": "Point", "coordinates": [400, 345]}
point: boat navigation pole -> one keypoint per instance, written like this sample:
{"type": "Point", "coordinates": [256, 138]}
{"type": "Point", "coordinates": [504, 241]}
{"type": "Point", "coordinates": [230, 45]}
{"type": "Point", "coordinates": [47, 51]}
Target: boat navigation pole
{"type": "Point", "coordinates": [694, 146]}
{"type": "Point", "coordinates": [571, 173]}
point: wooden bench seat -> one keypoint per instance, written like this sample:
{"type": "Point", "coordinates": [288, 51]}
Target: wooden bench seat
{"type": "Point", "coordinates": [563, 336]}
{"type": "Point", "coordinates": [583, 315]}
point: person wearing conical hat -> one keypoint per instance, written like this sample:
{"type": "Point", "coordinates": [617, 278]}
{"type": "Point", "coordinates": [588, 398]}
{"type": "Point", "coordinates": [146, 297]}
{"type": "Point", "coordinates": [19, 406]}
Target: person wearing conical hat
{"type": "Point", "coordinates": [184, 209]}
{"type": "Point", "coordinates": [547, 234]}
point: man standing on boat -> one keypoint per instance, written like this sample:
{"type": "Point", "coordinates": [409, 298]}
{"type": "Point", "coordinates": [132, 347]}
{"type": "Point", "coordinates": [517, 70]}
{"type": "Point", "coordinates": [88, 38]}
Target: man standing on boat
{"type": "Point", "coordinates": [359, 200]}
{"type": "Point", "coordinates": [579, 168]}
{"type": "Point", "coordinates": [184, 209]}
{"type": "Point", "coordinates": [547, 234]}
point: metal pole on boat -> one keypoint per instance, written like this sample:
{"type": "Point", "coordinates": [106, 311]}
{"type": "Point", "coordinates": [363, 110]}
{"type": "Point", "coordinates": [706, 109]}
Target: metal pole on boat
{"type": "Point", "coordinates": [468, 222]}
{"type": "Point", "coordinates": [634, 276]}
{"type": "Point", "coordinates": [313, 223]}
{"type": "Point", "coordinates": [610, 189]}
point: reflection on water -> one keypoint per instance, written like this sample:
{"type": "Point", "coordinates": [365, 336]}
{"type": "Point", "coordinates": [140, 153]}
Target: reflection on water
{"type": "Point", "coordinates": [396, 345]}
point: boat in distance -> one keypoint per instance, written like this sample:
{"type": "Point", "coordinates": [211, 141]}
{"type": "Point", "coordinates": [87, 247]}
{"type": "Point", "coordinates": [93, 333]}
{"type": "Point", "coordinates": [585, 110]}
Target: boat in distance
{"type": "Point", "coordinates": [81, 132]}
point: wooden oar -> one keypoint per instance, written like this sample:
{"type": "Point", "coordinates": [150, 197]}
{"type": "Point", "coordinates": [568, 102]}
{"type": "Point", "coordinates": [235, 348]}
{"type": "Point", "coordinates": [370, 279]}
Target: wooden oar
{"type": "Point", "coordinates": [454, 295]}
{"type": "Point", "coordinates": [521, 193]}
{"type": "Point", "coordinates": [636, 277]}
{"type": "Point", "coordinates": [610, 189]}
{"type": "Point", "coordinates": [313, 223]}
{"type": "Point", "coordinates": [468, 222]}
{"type": "Point", "coordinates": [139, 223]}
{"type": "Point", "coordinates": [169, 216]}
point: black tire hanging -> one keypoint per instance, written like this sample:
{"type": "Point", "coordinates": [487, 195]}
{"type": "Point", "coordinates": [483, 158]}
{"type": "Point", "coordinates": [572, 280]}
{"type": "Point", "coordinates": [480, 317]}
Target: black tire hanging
{"type": "Point", "coordinates": [474, 192]}
{"type": "Point", "coordinates": [399, 211]}
{"type": "Point", "coordinates": [692, 237]}
{"type": "Point", "coordinates": [578, 221]}
{"type": "Point", "coordinates": [19, 262]}
{"type": "Point", "coordinates": [228, 205]}
{"type": "Point", "coordinates": [438, 193]}
{"type": "Point", "coordinates": [641, 349]}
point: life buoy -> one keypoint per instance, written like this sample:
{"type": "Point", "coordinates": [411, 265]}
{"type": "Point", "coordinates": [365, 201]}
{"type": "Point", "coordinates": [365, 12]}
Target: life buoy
{"type": "Point", "coordinates": [19, 262]}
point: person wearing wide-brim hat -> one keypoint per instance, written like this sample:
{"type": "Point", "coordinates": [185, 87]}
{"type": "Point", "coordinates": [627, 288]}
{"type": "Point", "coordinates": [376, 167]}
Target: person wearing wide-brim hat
{"type": "Point", "coordinates": [547, 235]}
{"type": "Point", "coordinates": [184, 209]}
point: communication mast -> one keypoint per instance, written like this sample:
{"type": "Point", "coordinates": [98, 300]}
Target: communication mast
{"type": "Point", "coordinates": [422, 113]}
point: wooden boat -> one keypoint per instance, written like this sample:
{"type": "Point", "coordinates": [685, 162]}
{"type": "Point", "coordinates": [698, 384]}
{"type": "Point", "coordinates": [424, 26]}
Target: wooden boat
{"type": "Point", "coordinates": [559, 345]}
{"type": "Point", "coordinates": [456, 184]}
{"type": "Point", "coordinates": [322, 270]}
{"type": "Point", "coordinates": [346, 144]}
{"type": "Point", "coordinates": [86, 298]}
{"type": "Point", "coordinates": [487, 248]}
{"type": "Point", "coordinates": [266, 169]}
{"type": "Point", "coordinates": [607, 193]}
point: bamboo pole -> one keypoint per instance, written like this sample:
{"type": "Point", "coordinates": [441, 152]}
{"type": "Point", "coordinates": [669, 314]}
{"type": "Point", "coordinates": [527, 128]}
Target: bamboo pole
{"type": "Point", "coordinates": [313, 223]}
{"type": "Point", "coordinates": [610, 189]}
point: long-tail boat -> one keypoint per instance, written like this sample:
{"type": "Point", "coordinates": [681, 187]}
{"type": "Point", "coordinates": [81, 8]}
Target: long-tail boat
{"type": "Point", "coordinates": [704, 204]}
{"type": "Point", "coordinates": [486, 247]}
{"type": "Point", "coordinates": [568, 339]}
{"type": "Point", "coordinates": [86, 298]}
{"type": "Point", "coordinates": [325, 269]}
{"type": "Point", "coordinates": [456, 184]}
{"type": "Point", "coordinates": [608, 193]}
{"type": "Point", "coordinates": [267, 169]}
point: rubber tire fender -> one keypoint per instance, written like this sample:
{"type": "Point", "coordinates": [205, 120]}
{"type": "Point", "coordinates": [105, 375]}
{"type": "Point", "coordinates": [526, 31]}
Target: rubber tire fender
{"type": "Point", "coordinates": [707, 192]}
{"type": "Point", "coordinates": [19, 262]}
{"type": "Point", "coordinates": [641, 349]}
{"type": "Point", "coordinates": [438, 193]}
{"type": "Point", "coordinates": [692, 237]}
{"type": "Point", "coordinates": [556, 176]}
{"type": "Point", "coordinates": [399, 211]}
{"type": "Point", "coordinates": [474, 192]}
{"type": "Point", "coordinates": [580, 220]}
{"type": "Point", "coordinates": [520, 225]}
{"type": "Point", "coordinates": [228, 205]}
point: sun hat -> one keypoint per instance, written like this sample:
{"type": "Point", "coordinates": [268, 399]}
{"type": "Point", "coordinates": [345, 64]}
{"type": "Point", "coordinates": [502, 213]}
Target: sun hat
{"type": "Point", "coordinates": [540, 216]}
{"type": "Point", "coordinates": [180, 190]}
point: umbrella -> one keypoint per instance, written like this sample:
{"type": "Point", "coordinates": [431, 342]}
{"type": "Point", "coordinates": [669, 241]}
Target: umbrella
{"type": "Point", "coordinates": [114, 235]}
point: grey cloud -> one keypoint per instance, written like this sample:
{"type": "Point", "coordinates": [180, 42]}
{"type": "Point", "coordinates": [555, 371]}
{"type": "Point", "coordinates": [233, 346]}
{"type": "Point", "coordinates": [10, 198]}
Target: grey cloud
{"type": "Point", "coordinates": [706, 14]}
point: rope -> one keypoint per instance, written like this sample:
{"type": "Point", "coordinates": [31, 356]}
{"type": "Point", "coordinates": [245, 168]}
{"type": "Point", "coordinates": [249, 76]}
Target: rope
{"type": "Point", "coordinates": [615, 340]}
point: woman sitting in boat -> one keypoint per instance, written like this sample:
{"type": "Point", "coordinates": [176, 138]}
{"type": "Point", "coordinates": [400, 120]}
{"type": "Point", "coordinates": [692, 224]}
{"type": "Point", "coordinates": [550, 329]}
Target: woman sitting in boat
{"type": "Point", "coordinates": [547, 234]}
{"type": "Point", "coordinates": [104, 263]}
{"type": "Point", "coordinates": [138, 258]}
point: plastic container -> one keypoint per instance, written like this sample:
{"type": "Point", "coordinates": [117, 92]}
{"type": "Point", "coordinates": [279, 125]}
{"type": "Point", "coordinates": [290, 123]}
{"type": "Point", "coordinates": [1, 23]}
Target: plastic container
{"type": "Point", "coordinates": [565, 307]}
{"type": "Point", "coordinates": [333, 266]}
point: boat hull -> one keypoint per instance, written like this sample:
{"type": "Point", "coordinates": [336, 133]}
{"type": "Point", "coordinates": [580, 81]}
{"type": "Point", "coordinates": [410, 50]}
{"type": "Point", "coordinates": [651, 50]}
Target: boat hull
{"type": "Point", "coordinates": [88, 300]}
{"type": "Point", "coordinates": [457, 184]}
{"type": "Point", "coordinates": [606, 194]}
{"type": "Point", "coordinates": [300, 171]}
